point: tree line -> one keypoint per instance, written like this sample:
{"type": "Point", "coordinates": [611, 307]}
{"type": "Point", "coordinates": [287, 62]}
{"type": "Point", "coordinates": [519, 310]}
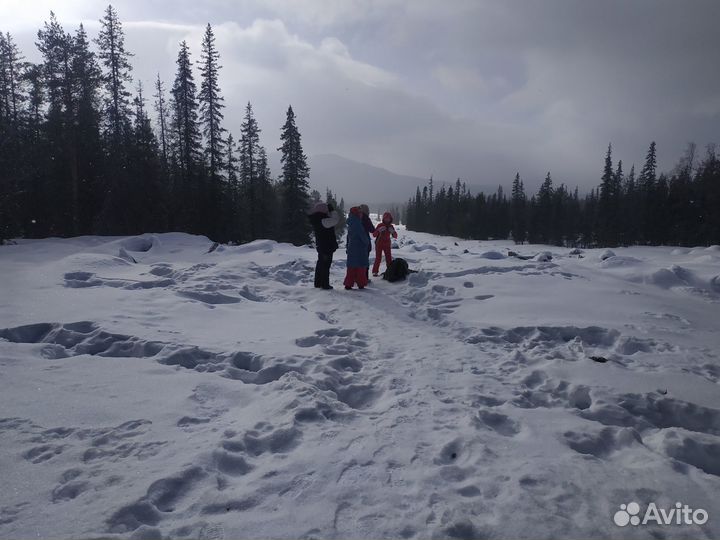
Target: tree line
{"type": "Point", "coordinates": [677, 208]}
{"type": "Point", "coordinates": [79, 153]}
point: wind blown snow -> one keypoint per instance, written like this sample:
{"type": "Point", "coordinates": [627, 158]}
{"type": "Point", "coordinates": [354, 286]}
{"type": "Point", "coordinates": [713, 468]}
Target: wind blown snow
{"type": "Point", "coordinates": [152, 388]}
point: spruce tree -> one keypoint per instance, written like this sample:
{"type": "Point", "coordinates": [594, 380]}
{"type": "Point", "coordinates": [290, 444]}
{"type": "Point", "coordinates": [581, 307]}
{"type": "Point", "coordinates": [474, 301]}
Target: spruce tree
{"type": "Point", "coordinates": [161, 109]}
{"type": "Point", "coordinates": [87, 149]}
{"type": "Point", "coordinates": [57, 209]}
{"type": "Point", "coordinates": [211, 105]}
{"type": "Point", "coordinates": [518, 202]}
{"type": "Point", "coordinates": [646, 193]}
{"type": "Point", "coordinates": [211, 116]}
{"type": "Point", "coordinates": [184, 211]}
{"type": "Point", "coordinates": [608, 199]}
{"type": "Point", "coordinates": [116, 61]}
{"type": "Point", "coordinates": [12, 98]}
{"type": "Point", "coordinates": [295, 227]}
{"type": "Point", "coordinates": [249, 173]}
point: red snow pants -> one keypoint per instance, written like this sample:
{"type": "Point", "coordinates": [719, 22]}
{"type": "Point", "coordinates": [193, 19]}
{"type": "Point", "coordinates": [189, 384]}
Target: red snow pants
{"type": "Point", "coordinates": [357, 275]}
{"type": "Point", "coordinates": [380, 248]}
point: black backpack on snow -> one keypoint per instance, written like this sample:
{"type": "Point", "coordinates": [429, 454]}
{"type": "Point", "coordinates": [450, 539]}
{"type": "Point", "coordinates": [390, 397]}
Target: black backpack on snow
{"type": "Point", "coordinates": [397, 271]}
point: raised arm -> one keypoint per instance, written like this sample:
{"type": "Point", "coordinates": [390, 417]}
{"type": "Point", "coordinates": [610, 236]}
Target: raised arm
{"type": "Point", "coordinates": [332, 220]}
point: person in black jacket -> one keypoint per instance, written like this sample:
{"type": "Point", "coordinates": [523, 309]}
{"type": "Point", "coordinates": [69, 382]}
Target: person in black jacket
{"type": "Point", "coordinates": [323, 218]}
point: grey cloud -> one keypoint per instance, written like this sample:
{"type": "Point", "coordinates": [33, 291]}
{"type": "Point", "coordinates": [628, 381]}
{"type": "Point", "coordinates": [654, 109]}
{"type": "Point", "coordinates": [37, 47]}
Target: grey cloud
{"type": "Point", "coordinates": [469, 88]}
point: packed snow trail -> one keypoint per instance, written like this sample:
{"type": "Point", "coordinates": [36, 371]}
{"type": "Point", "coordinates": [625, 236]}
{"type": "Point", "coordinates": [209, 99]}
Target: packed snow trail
{"type": "Point", "coordinates": [151, 388]}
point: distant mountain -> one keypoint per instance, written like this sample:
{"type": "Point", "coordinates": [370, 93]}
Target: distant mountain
{"type": "Point", "coordinates": [360, 182]}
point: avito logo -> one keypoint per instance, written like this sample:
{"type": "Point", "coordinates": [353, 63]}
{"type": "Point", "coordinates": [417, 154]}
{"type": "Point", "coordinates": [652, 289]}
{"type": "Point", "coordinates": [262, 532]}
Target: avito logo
{"type": "Point", "coordinates": [681, 514]}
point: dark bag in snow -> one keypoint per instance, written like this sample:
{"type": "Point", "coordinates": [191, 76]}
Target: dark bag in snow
{"type": "Point", "coordinates": [397, 271]}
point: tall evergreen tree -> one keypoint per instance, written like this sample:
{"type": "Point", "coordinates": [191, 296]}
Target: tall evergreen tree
{"type": "Point", "coordinates": [185, 113]}
{"type": "Point", "coordinates": [231, 210]}
{"type": "Point", "coordinates": [211, 104]}
{"type": "Point", "coordinates": [161, 109]}
{"type": "Point", "coordinates": [186, 143]}
{"type": "Point", "coordinates": [518, 203]}
{"type": "Point", "coordinates": [249, 173]}
{"type": "Point", "coordinates": [12, 98]}
{"type": "Point", "coordinates": [86, 147]}
{"type": "Point", "coordinates": [608, 204]}
{"type": "Point", "coordinates": [211, 116]}
{"type": "Point", "coordinates": [295, 173]}
{"type": "Point", "coordinates": [57, 210]}
{"type": "Point", "coordinates": [147, 211]}
{"type": "Point", "coordinates": [646, 192]}
{"type": "Point", "coordinates": [116, 61]}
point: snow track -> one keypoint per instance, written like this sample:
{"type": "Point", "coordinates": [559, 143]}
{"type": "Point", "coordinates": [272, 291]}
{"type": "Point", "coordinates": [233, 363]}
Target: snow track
{"type": "Point", "coordinates": [153, 389]}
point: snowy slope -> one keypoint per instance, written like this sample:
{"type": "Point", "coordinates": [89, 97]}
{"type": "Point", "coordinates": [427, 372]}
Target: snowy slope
{"type": "Point", "coordinates": [152, 389]}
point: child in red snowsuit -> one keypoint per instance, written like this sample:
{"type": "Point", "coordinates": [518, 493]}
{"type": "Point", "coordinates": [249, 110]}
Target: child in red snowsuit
{"type": "Point", "coordinates": [383, 234]}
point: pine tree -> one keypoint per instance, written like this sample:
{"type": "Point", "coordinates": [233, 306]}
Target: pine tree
{"type": "Point", "coordinates": [231, 207]}
{"type": "Point", "coordinates": [57, 210]}
{"type": "Point", "coordinates": [147, 210]}
{"type": "Point", "coordinates": [185, 114]}
{"type": "Point", "coordinates": [12, 81]}
{"type": "Point", "coordinates": [211, 116]}
{"type": "Point", "coordinates": [628, 210]}
{"type": "Point", "coordinates": [248, 158]}
{"type": "Point", "coordinates": [161, 109]}
{"type": "Point", "coordinates": [295, 172]}
{"type": "Point", "coordinates": [518, 201]}
{"type": "Point", "coordinates": [544, 223]}
{"type": "Point", "coordinates": [12, 98]}
{"type": "Point", "coordinates": [646, 193]}
{"type": "Point", "coordinates": [266, 204]}
{"type": "Point", "coordinates": [331, 200]}
{"type": "Point", "coordinates": [185, 213]}
{"type": "Point", "coordinates": [116, 60]}
{"type": "Point", "coordinates": [211, 104]}
{"type": "Point", "coordinates": [87, 149]}
{"type": "Point", "coordinates": [608, 203]}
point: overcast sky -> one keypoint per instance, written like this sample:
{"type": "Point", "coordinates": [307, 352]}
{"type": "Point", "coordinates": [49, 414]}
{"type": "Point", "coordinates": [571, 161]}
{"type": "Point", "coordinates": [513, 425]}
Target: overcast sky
{"type": "Point", "coordinates": [475, 89]}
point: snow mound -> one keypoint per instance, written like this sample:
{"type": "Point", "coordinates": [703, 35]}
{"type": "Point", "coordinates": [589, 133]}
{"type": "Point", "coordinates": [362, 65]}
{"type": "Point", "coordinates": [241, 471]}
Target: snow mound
{"type": "Point", "coordinates": [715, 284]}
{"type": "Point", "coordinates": [543, 256]}
{"type": "Point", "coordinates": [680, 251]}
{"type": "Point", "coordinates": [265, 246]}
{"type": "Point", "coordinates": [124, 255]}
{"type": "Point", "coordinates": [675, 276]}
{"type": "Point", "coordinates": [620, 261]}
{"type": "Point", "coordinates": [142, 243]}
{"type": "Point", "coordinates": [607, 254]}
{"type": "Point", "coordinates": [576, 251]}
{"type": "Point", "coordinates": [95, 261]}
{"type": "Point", "coordinates": [425, 247]}
{"type": "Point", "coordinates": [493, 255]}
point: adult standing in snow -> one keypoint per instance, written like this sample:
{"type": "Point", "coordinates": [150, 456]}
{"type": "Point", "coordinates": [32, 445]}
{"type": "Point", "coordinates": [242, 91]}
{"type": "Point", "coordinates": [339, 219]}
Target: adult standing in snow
{"type": "Point", "coordinates": [384, 232]}
{"type": "Point", "coordinates": [369, 229]}
{"type": "Point", "coordinates": [358, 255]}
{"type": "Point", "coordinates": [323, 218]}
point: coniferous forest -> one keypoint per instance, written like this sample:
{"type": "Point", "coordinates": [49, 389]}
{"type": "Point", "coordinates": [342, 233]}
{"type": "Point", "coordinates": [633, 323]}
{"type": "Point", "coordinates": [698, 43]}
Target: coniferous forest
{"type": "Point", "coordinates": [85, 150]}
{"type": "Point", "coordinates": [680, 208]}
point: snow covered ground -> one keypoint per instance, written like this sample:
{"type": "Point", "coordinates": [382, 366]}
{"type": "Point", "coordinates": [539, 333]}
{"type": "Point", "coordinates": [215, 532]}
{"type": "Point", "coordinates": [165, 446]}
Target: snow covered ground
{"type": "Point", "coordinates": [151, 389]}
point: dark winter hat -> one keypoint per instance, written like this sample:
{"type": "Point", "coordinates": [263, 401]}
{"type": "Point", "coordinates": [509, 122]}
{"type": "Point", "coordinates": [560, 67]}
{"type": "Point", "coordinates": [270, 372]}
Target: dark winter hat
{"type": "Point", "coordinates": [365, 209]}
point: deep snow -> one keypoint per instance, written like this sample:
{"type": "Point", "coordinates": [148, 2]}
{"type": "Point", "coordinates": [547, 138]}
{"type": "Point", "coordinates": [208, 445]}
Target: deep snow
{"type": "Point", "coordinates": [150, 388]}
